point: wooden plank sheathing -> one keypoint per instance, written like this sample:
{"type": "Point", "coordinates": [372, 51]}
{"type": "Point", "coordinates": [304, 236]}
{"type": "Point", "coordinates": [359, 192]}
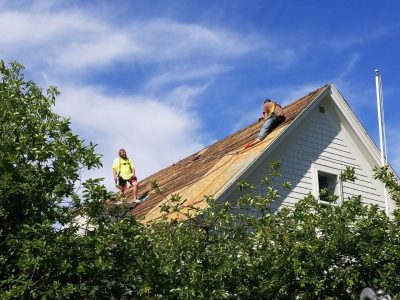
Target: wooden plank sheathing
{"type": "Point", "coordinates": [216, 179]}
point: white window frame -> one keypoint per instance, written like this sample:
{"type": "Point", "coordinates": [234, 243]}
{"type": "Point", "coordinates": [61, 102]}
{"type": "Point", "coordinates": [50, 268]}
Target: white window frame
{"type": "Point", "coordinates": [339, 186]}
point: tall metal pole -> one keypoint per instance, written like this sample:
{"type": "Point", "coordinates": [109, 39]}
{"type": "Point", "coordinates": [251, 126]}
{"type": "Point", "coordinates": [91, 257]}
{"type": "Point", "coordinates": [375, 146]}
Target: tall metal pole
{"type": "Point", "coordinates": [382, 134]}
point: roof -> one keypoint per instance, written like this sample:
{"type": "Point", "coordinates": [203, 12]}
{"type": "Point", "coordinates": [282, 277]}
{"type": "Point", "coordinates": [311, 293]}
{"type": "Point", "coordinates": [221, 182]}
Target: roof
{"type": "Point", "coordinates": [212, 170]}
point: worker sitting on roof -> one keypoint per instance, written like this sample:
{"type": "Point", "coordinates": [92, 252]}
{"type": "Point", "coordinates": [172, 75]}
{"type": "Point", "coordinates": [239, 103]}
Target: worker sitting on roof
{"type": "Point", "coordinates": [273, 115]}
{"type": "Point", "coordinates": [124, 172]}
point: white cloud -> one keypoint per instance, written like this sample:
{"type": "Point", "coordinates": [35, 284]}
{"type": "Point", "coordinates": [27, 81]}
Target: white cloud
{"type": "Point", "coordinates": [358, 38]}
{"type": "Point", "coordinates": [184, 74]}
{"type": "Point", "coordinates": [101, 50]}
{"type": "Point", "coordinates": [158, 123]}
{"type": "Point", "coordinates": [74, 40]}
{"type": "Point", "coordinates": [183, 96]}
{"type": "Point", "coordinates": [169, 40]}
{"type": "Point", "coordinates": [155, 133]}
{"type": "Point", "coordinates": [71, 39]}
{"type": "Point", "coordinates": [48, 38]}
{"type": "Point", "coordinates": [346, 71]}
{"type": "Point", "coordinates": [35, 28]}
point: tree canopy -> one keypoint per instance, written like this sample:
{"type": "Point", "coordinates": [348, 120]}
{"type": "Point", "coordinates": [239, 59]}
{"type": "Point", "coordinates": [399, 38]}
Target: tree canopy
{"type": "Point", "coordinates": [233, 250]}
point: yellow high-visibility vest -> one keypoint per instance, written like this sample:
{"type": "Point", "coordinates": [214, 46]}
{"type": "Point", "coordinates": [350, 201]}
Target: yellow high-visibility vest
{"type": "Point", "coordinates": [271, 111]}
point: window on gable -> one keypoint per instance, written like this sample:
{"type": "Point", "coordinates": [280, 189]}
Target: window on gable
{"type": "Point", "coordinates": [327, 186]}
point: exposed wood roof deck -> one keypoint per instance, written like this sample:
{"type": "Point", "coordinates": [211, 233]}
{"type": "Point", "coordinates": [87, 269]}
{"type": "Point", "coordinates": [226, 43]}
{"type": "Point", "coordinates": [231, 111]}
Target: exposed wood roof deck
{"type": "Point", "coordinates": [207, 171]}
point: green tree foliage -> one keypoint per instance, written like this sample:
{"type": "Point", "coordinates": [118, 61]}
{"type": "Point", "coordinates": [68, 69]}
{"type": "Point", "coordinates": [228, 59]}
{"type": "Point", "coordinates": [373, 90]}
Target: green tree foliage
{"type": "Point", "coordinates": [310, 251]}
{"type": "Point", "coordinates": [231, 250]}
{"type": "Point", "coordinates": [40, 156]}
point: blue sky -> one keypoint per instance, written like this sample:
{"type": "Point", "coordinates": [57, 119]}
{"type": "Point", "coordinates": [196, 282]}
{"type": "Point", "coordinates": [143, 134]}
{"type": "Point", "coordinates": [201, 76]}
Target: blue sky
{"type": "Point", "coordinates": [164, 79]}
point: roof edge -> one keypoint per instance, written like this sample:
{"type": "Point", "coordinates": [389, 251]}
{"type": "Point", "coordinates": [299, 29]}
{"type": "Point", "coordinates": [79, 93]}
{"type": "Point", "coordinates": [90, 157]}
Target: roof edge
{"type": "Point", "coordinates": [358, 127]}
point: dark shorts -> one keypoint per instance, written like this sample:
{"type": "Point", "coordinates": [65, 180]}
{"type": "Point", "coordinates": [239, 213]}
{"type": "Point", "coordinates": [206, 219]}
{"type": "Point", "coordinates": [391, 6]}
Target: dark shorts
{"type": "Point", "coordinates": [122, 182]}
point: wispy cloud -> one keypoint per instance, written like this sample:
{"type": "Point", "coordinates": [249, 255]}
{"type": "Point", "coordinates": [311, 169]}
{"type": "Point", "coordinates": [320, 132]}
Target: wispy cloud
{"type": "Point", "coordinates": [169, 40]}
{"type": "Point", "coordinates": [347, 69]}
{"type": "Point", "coordinates": [69, 40]}
{"type": "Point", "coordinates": [161, 41]}
{"type": "Point", "coordinates": [185, 74]}
{"type": "Point", "coordinates": [157, 121]}
{"type": "Point", "coordinates": [73, 40]}
{"type": "Point", "coordinates": [358, 38]}
{"type": "Point", "coordinates": [156, 133]}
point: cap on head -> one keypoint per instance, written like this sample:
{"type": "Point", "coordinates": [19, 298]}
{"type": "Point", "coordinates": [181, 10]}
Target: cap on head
{"type": "Point", "coordinates": [267, 100]}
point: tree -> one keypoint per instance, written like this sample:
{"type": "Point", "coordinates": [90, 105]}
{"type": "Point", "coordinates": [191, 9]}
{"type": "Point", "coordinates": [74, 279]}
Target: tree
{"type": "Point", "coordinates": [43, 253]}
{"type": "Point", "coordinates": [41, 157]}
{"type": "Point", "coordinates": [305, 252]}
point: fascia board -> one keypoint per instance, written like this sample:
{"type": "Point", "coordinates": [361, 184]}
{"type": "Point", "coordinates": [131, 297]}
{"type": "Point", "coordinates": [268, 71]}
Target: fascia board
{"type": "Point", "coordinates": [356, 125]}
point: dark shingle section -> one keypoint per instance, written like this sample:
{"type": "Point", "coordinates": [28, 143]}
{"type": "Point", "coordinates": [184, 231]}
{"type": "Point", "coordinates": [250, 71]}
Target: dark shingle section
{"type": "Point", "coordinates": [192, 168]}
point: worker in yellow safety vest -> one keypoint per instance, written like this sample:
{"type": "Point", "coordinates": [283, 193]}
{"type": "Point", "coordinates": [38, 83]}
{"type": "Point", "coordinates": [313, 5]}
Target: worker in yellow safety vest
{"type": "Point", "coordinates": [124, 172]}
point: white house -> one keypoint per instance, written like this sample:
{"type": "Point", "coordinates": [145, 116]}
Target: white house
{"type": "Point", "coordinates": [319, 138]}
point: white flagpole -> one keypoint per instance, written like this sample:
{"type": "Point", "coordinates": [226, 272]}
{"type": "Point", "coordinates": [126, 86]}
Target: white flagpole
{"type": "Point", "coordinates": [382, 134]}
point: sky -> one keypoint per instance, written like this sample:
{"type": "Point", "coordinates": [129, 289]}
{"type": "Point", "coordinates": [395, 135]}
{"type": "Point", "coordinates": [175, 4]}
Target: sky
{"type": "Point", "coordinates": [164, 79]}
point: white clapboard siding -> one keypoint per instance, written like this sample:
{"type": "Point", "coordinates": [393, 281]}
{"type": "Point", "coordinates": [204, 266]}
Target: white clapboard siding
{"type": "Point", "coordinates": [322, 141]}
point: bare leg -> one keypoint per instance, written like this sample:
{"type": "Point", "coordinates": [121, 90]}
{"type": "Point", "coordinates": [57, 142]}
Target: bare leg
{"type": "Point", "coordinates": [135, 190]}
{"type": "Point", "coordinates": [123, 188]}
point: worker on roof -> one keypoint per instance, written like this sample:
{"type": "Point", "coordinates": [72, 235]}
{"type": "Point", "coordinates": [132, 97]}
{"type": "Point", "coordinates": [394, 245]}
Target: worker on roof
{"type": "Point", "coordinates": [273, 115]}
{"type": "Point", "coordinates": [124, 172]}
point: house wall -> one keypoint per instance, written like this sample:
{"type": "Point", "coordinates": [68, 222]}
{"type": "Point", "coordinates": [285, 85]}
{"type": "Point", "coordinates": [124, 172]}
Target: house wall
{"type": "Point", "coordinates": [320, 142]}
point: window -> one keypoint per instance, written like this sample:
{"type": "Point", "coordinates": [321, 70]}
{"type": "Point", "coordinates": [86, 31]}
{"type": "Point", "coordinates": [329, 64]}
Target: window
{"type": "Point", "coordinates": [321, 109]}
{"type": "Point", "coordinates": [326, 182]}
